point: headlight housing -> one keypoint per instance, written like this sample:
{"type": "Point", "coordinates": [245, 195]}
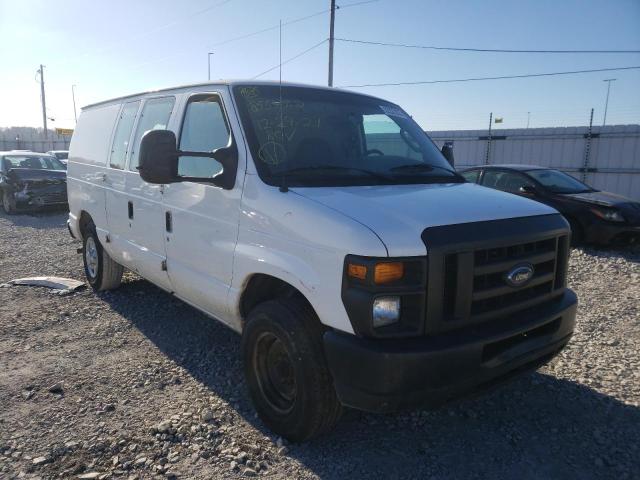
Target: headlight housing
{"type": "Point", "coordinates": [385, 297]}
{"type": "Point", "coordinates": [608, 214]}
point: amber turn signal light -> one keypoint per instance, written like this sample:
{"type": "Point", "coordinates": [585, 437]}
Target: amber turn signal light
{"type": "Point", "coordinates": [357, 271]}
{"type": "Point", "coordinates": [388, 272]}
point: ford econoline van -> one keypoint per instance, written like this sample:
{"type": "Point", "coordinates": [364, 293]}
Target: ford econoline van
{"type": "Point", "coordinates": [327, 229]}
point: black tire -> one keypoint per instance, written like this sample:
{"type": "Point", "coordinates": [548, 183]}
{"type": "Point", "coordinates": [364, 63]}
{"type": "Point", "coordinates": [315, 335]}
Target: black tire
{"type": "Point", "coordinates": [8, 203]}
{"type": "Point", "coordinates": [290, 328]}
{"type": "Point", "coordinates": [102, 272]}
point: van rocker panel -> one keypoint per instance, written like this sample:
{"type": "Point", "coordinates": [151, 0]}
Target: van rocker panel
{"type": "Point", "coordinates": [385, 375]}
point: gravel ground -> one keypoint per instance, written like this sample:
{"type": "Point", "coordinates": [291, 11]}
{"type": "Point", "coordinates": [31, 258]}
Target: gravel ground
{"type": "Point", "coordinates": [135, 384]}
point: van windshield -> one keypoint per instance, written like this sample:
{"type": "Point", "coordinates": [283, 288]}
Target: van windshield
{"type": "Point", "coordinates": [318, 137]}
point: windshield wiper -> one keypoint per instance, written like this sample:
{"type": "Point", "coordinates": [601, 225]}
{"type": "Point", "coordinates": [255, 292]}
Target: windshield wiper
{"type": "Point", "coordinates": [572, 192]}
{"type": "Point", "coordinates": [423, 167]}
{"type": "Point", "coordinates": [369, 173]}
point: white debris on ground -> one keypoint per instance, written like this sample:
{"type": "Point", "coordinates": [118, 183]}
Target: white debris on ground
{"type": "Point", "coordinates": [63, 286]}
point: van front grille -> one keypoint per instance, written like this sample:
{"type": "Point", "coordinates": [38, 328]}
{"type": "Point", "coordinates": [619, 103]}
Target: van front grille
{"type": "Point", "coordinates": [467, 281]}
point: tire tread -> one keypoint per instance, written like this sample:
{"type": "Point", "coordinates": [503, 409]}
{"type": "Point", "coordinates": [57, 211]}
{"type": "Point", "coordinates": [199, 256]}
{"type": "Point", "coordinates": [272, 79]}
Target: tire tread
{"type": "Point", "coordinates": [296, 316]}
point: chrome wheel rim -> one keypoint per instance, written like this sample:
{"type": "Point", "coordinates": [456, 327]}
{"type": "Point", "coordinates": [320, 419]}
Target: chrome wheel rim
{"type": "Point", "coordinates": [91, 257]}
{"type": "Point", "coordinates": [275, 373]}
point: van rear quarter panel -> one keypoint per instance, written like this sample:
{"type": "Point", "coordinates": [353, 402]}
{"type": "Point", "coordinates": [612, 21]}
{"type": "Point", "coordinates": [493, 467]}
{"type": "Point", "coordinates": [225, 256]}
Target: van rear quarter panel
{"type": "Point", "coordinates": [88, 153]}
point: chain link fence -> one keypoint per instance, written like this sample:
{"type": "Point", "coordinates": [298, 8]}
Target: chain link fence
{"type": "Point", "coordinates": [607, 158]}
{"type": "Point", "coordinates": [25, 138]}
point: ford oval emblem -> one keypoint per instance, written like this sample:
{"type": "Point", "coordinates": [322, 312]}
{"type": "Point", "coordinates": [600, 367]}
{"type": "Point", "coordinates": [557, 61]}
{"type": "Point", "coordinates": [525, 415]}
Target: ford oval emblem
{"type": "Point", "coordinates": [519, 275]}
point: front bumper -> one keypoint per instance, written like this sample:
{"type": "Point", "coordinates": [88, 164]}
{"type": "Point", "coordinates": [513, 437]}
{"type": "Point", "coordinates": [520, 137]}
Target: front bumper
{"type": "Point", "coordinates": [386, 375]}
{"type": "Point", "coordinates": [55, 195]}
{"type": "Point", "coordinates": [606, 233]}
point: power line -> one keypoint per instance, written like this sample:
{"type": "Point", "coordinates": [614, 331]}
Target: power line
{"type": "Point", "coordinates": [477, 50]}
{"type": "Point", "coordinates": [268, 29]}
{"type": "Point", "coordinates": [291, 22]}
{"type": "Point", "coordinates": [502, 77]}
{"type": "Point", "coordinates": [251, 34]}
{"type": "Point", "coordinates": [147, 32]}
{"type": "Point", "coordinates": [291, 59]}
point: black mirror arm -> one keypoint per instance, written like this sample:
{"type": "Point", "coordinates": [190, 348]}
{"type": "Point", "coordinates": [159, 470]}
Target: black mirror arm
{"type": "Point", "coordinates": [180, 153]}
{"type": "Point", "coordinates": [227, 156]}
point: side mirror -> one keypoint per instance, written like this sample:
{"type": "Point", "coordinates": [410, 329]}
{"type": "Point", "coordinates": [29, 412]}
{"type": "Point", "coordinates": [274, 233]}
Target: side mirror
{"type": "Point", "coordinates": [159, 157]}
{"type": "Point", "coordinates": [447, 152]}
{"type": "Point", "coordinates": [528, 190]}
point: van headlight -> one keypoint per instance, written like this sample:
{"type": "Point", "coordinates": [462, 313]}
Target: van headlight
{"type": "Point", "coordinates": [386, 311]}
{"type": "Point", "coordinates": [385, 296]}
{"type": "Point", "coordinates": [610, 214]}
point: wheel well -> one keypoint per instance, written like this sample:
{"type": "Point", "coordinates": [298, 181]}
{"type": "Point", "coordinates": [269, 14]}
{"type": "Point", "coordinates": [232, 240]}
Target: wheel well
{"type": "Point", "coordinates": [574, 221]}
{"type": "Point", "coordinates": [262, 287]}
{"type": "Point", "coordinates": [84, 222]}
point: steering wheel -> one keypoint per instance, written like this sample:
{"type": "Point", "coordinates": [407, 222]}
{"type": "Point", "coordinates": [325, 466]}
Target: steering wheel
{"type": "Point", "coordinates": [409, 140]}
{"type": "Point", "coordinates": [375, 151]}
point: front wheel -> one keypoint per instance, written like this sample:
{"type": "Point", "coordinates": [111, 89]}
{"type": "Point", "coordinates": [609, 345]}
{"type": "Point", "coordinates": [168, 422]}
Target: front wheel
{"type": "Point", "coordinates": [286, 372]}
{"type": "Point", "coordinates": [8, 203]}
{"type": "Point", "coordinates": [102, 272]}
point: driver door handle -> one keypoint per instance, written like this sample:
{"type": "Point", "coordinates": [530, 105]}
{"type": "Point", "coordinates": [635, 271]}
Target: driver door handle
{"type": "Point", "coordinates": [105, 179]}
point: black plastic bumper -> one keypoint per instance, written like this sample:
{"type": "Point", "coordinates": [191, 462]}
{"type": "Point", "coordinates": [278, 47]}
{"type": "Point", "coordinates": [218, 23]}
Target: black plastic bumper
{"type": "Point", "coordinates": [606, 233]}
{"type": "Point", "coordinates": [387, 375]}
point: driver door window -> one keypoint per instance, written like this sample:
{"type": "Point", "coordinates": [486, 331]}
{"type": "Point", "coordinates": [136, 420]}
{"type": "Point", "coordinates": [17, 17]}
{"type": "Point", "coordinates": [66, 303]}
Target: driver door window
{"type": "Point", "coordinates": [505, 181]}
{"type": "Point", "coordinates": [204, 129]}
{"type": "Point", "coordinates": [471, 176]}
{"type": "Point", "coordinates": [382, 136]}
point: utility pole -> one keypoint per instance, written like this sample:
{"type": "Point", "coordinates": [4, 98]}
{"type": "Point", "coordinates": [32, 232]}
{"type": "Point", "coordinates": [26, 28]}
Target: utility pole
{"type": "Point", "coordinates": [209, 65]}
{"type": "Point", "coordinates": [331, 26]}
{"type": "Point", "coordinates": [528, 118]}
{"type": "Point", "coordinates": [73, 95]}
{"type": "Point", "coordinates": [587, 149]}
{"type": "Point", "coordinates": [488, 151]}
{"type": "Point", "coordinates": [44, 103]}
{"type": "Point", "coordinates": [606, 103]}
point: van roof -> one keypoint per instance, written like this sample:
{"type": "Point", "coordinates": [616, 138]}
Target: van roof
{"type": "Point", "coordinates": [223, 82]}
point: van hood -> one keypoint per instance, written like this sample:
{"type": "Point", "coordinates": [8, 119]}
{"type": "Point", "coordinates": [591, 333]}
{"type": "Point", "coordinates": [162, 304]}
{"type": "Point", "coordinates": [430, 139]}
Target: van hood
{"type": "Point", "coordinates": [398, 214]}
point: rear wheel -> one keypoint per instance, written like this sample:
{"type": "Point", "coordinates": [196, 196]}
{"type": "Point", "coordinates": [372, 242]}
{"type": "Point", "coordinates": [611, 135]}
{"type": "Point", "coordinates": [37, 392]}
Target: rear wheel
{"type": "Point", "coordinates": [8, 203]}
{"type": "Point", "coordinates": [287, 374]}
{"type": "Point", "coordinates": [101, 271]}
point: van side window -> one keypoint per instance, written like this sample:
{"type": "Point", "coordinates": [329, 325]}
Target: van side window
{"type": "Point", "coordinates": [155, 116]}
{"type": "Point", "coordinates": [121, 138]}
{"type": "Point", "coordinates": [204, 129]}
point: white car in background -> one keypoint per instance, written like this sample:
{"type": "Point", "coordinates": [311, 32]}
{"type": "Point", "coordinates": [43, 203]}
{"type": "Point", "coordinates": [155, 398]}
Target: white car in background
{"type": "Point", "coordinates": [61, 155]}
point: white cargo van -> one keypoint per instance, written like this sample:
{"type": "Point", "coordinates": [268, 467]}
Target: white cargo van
{"type": "Point", "coordinates": [326, 228]}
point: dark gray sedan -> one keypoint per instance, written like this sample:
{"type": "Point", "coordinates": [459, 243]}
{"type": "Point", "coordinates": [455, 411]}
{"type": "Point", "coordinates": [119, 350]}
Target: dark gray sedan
{"type": "Point", "coordinates": [31, 180]}
{"type": "Point", "coordinates": [594, 216]}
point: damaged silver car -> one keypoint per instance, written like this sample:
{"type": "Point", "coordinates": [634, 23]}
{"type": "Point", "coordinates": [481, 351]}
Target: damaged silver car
{"type": "Point", "coordinates": [31, 181]}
